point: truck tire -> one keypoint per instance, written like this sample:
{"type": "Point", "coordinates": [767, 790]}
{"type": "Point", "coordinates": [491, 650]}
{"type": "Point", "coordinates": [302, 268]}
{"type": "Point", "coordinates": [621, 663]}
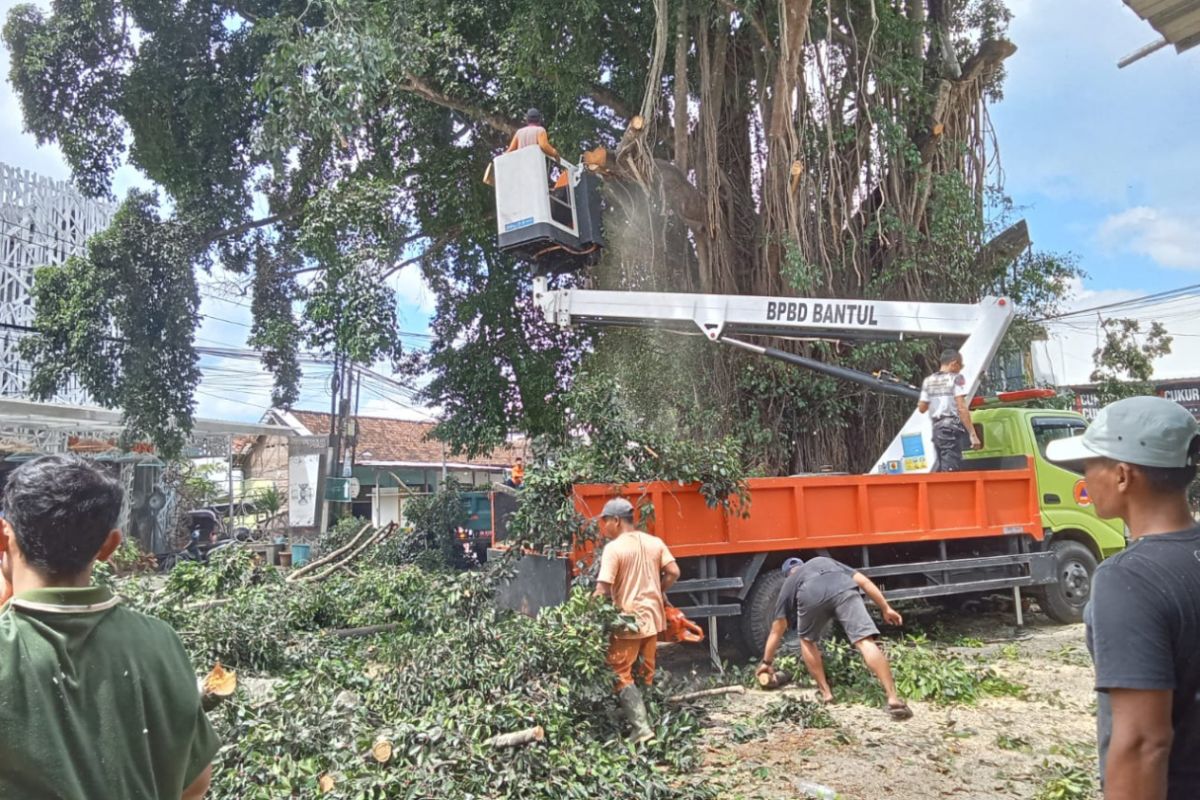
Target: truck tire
{"type": "Point", "coordinates": [758, 611]}
{"type": "Point", "coordinates": [1064, 601]}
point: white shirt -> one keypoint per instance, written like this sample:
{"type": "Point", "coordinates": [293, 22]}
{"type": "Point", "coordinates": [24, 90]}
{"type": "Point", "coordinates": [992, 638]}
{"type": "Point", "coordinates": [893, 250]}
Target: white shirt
{"type": "Point", "coordinates": [940, 390]}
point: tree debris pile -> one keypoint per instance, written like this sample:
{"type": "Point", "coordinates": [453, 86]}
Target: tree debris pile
{"type": "Point", "coordinates": [606, 440]}
{"type": "Point", "coordinates": [416, 711]}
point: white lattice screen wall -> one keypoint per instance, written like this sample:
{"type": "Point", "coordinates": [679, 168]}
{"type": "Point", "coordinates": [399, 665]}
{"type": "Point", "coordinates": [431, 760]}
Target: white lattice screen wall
{"type": "Point", "coordinates": [42, 221]}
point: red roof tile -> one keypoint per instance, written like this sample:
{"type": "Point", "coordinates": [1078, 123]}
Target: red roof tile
{"type": "Point", "coordinates": [403, 441]}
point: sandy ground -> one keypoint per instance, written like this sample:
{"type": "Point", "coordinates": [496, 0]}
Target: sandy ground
{"type": "Point", "coordinates": [1001, 747]}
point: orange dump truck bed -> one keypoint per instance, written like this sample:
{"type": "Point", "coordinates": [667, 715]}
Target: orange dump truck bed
{"type": "Point", "coordinates": [813, 512]}
{"type": "Point", "coordinates": [917, 536]}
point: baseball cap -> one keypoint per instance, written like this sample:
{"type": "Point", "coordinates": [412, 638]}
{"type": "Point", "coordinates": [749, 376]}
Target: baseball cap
{"type": "Point", "coordinates": [1146, 431]}
{"type": "Point", "coordinates": [617, 507]}
{"type": "Point", "coordinates": [791, 563]}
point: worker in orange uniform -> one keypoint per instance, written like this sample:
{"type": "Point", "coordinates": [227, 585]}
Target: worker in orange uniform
{"type": "Point", "coordinates": [516, 475]}
{"type": "Point", "coordinates": [636, 570]}
{"type": "Point", "coordinates": [533, 135]}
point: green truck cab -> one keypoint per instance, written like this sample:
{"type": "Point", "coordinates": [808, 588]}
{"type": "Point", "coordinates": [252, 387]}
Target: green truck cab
{"type": "Point", "coordinates": [1079, 538]}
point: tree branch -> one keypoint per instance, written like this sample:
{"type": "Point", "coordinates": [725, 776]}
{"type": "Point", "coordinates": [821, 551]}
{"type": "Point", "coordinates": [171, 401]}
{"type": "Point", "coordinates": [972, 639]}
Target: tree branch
{"type": "Point", "coordinates": [246, 227]}
{"type": "Point", "coordinates": [990, 54]}
{"type": "Point", "coordinates": [438, 244]}
{"type": "Point", "coordinates": [607, 97]}
{"type": "Point", "coordinates": [419, 86]}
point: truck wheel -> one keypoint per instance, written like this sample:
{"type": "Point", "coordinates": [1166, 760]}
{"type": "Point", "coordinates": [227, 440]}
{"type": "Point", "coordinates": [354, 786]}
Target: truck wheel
{"type": "Point", "coordinates": [1064, 601]}
{"type": "Point", "coordinates": [758, 611]}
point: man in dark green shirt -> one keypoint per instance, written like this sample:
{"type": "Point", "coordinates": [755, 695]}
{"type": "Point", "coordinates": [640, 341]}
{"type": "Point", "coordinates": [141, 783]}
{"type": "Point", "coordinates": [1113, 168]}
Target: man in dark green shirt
{"type": "Point", "coordinates": [96, 700]}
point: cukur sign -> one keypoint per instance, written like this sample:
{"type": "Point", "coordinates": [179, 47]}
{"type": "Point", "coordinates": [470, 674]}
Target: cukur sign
{"type": "Point", "coordinates": [1186, 393]}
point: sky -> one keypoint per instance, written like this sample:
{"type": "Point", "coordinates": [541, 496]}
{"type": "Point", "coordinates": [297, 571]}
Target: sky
{"type": "Point", "coordinates": [1103, 163]}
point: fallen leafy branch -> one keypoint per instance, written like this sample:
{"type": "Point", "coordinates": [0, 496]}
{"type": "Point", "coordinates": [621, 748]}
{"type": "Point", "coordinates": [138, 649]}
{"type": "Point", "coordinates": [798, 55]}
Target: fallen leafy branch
{"type": "Point", "coordinates": [300, 572]}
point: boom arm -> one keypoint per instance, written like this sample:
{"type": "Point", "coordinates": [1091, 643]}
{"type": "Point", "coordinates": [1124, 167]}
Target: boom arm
{"type": "Point", "coordinates": [981, 326]}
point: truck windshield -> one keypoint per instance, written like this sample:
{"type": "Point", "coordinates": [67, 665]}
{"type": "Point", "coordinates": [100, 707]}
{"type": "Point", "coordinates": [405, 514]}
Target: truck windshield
{"type": "Point", "coordinates": [1047, 429]}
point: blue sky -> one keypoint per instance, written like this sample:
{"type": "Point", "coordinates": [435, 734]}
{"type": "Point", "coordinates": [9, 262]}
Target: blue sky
{"type": "Point", "coordinates": [1104, 162]}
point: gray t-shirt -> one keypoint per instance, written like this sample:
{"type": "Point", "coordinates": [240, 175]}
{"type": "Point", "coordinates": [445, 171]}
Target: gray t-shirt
{"type": "Point", "coordinates": [1143, 631]}
{"type": "Point", "coordinates": [818, 580]}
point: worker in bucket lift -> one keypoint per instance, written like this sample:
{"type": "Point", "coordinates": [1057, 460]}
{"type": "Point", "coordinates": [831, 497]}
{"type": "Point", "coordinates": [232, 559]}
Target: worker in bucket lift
{"type": "Point", "coordinates": [533, 135]}
{"type": "Point", "coordinates": [944, 397]}
{"type": "Point", "coordinates": [636, 570]}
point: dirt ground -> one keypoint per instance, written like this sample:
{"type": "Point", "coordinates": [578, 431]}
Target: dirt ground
{"type": "Point", "coordinates": [1000, 747]}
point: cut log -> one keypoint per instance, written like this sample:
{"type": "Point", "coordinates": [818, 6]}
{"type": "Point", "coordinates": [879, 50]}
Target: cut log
{"type": "Point", "coordinates": [381, 751]}
{"type": "Point", "coordinates": [1003, 248]}
{"type": "Point", "coordinates": [717, 692]}
{"type": "Point", "coordinates": [366, 630]}
{"type": "Point", "coordinates": [596, 159]}
{"type": "Point", "coordinates": [517, 738]}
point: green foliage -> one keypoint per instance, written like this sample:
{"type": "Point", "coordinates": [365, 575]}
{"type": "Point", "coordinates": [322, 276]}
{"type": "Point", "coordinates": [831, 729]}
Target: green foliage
{"type": "Point", "coordinates": [1068, 782]}
{"type": "Point", "coordinates": [611, 443]}
{"type": "Point", "coordinates": [1125, 361]}
{"type": "Point", "coordinates": [921, 671]}
{"type": "Point", "coordinates": [1019, 743]}
{"type": "Point", "coordinates": [268, 502]}
{"type": "Point", "coordinates": [340, 533]}
{"type": "Point", "coordinates": [121, 320]}
{"type": "Point", "coordinates": [227, 569]}
{"type": "Point", "coordinates": [798, 711]}
{"type": "Point", "coordinates": [455, 671]}
{"type": "Point", "coordinates": [437, 517]}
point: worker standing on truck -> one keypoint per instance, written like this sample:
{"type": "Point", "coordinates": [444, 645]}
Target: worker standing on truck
{"type": "Point", "coordinates": [636, 570]}
{"type": "Point", "coordinates": [814, 593]}
{"type": "Point", "coordinates": [96, 700]}
{"type": "Point", "coordinates": [1143, 619]}
{"type": "Point", "coordinates": [944, 396]}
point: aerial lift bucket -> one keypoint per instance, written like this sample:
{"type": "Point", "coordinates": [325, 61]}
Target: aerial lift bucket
{"type": "Point", "coordinates": [547, 211]}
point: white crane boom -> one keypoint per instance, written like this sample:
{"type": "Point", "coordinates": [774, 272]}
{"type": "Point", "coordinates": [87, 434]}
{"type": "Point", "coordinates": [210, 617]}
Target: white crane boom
{"type": "Point", "coordinates": [980, 327]}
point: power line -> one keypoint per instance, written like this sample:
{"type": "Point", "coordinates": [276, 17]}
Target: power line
{"type": "Point", "coordinates": [1182, 292]}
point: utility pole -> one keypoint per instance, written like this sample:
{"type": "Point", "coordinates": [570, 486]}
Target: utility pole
{"type": "Point", "coordinates": [331, 451]}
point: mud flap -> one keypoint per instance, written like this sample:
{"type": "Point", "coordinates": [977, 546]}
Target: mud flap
{"type": "Point", "coordinates": [540, 582]}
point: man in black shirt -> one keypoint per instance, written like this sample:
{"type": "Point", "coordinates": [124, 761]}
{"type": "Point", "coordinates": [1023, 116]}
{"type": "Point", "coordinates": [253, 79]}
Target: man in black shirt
{"type": "Point", "coordinates": [815, 592]}
{"type": "Point", "coordinates": [1143, 620]}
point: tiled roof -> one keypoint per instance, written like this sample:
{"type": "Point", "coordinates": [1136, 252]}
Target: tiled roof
{"type": "Point", "coordinates": [402, 441]}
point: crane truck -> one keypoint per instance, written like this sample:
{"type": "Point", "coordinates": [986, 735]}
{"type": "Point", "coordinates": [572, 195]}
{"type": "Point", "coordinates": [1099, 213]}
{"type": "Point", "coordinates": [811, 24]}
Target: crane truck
{"type": "Point", "coordinates": [1012, 521]}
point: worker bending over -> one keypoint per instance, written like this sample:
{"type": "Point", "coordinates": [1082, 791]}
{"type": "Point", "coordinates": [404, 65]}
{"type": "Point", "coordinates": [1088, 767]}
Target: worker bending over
{"type": "Point", "coordinates": [944, 396]}
{"type": "Point", "coordinates": [96, 700]}
{"type": "Point", "coordinates": [813, 593]}
{"type": "Point", "coordinates": [636, 570]}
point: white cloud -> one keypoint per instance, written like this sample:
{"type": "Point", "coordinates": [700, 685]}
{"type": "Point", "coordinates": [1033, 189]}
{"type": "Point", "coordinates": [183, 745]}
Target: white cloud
{"type": "Point", "coordinates": [1170, 239]}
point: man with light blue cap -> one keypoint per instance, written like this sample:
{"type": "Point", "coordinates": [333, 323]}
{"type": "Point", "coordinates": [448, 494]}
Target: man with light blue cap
{"type": "Point", "coordinates": [1143, 621]}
